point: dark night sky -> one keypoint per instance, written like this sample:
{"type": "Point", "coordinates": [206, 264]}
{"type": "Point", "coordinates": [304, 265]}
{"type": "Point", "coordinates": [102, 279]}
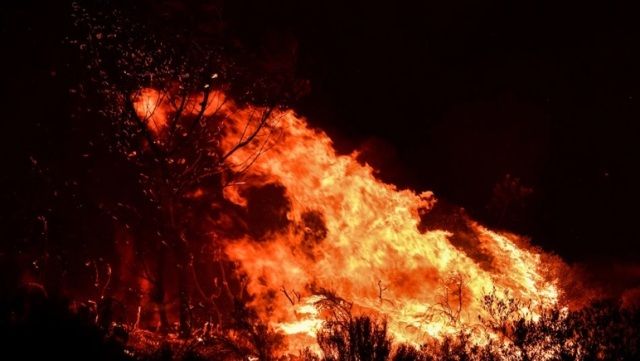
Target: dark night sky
{"type": "Point", "coordinates": [454, 95]}
{"type": "Point", "coordinates": [450, 96]}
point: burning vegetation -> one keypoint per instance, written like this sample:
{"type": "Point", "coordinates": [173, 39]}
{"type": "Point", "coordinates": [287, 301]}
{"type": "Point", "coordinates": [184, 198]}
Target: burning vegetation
{"type": "Point", "coordinates": [238, 232]}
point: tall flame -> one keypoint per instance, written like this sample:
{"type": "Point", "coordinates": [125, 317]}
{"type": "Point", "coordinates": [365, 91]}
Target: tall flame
{"type": "Point", "coordinates": [347, 232]}
{"type": "Point", "coordinates": [359, 237]}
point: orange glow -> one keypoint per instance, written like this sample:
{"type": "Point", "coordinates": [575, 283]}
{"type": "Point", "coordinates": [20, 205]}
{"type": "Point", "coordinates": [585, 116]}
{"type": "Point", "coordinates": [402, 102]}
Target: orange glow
{"type": "Point", "coordinates": [358, 237]}
{"type": "Point", "coordinates": [372, 252]}
{"type": "Point", "coordinates": [151, 108]}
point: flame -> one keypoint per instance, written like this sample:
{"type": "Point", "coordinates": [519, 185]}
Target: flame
{"type": "Point", "coordinates": [151, 108]}
{"type": "Point", "coordinates": [359, 237]}
{"type": "Point", "coordinates": [348, 232]}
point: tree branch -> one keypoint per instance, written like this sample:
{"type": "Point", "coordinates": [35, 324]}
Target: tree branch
{"type": "Point", "coordinates": [242, 143]}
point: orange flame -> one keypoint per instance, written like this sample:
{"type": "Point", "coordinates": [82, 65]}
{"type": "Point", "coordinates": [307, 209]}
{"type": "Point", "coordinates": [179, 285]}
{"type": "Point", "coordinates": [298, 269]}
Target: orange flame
{"type": "Point", "coordinates": [350, 233]}
{"type": "Point", "coordinates": [151, 108]}
{"type": "Point", "coordinates": [368, 249]}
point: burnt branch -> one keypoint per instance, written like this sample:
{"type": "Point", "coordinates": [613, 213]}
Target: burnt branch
{"type": "Point", "coordinates": [284, 290]}
{"type": "Point", "coordinates": [242, 143]}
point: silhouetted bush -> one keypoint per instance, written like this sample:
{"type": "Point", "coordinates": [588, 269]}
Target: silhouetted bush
{"type": "Point", "coordinates": [357, 339]}
{"type": "Point", "coordinates": [601, 331]}
{"type": "Point", "coordinates": [37, 326]}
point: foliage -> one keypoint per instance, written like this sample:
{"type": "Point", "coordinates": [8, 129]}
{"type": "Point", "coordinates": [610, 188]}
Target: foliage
{"type": "Point", "coordinates": [358, 339]}
{"type": "Point", "coordinates": [603, 330]}
{"type": "Point", "coordinates": [156, 97]}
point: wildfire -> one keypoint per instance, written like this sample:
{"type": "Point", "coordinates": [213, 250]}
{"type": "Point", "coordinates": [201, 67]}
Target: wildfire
{"type": "Point", "coordinates": [359, 237]}
{"type": "Point", "coordinates": [150, 107]}
{"type": "Point", "coordinates": [348, 233]}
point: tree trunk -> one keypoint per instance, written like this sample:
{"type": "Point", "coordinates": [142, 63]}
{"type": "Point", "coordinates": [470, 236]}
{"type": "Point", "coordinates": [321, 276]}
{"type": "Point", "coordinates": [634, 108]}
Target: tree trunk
{"type": "Point", "coordinates": [182, 254]}
{"type": "Point", "coordinates": [159, 292]}
{"type": "Point", "coordinates": [185, 302]}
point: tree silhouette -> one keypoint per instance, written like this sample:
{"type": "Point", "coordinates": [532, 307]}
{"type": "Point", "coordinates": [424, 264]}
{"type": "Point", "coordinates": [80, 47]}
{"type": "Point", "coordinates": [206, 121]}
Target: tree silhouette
{"type": "Point", "coordinates": [162, 100]}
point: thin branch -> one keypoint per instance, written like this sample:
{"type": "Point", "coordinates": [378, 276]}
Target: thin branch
{"type": "Point", "coordinates": [381, 289]}
{"type": "Point", "coordinates": [178, 113]}
{"type": "Point", "coordinates": [242, 143]}
{"type": "Point", "coordinates": [203, 108]}
{"type": "Point", "coordinates": [264, 147]}
{"type": "Point", "coordinates": [284, 290]}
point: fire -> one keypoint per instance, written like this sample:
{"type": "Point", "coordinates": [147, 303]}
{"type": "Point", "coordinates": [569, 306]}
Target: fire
{"type": "Point", "coordinates": [151, 108]}
{"type": "Point", "coordinates": [359, 237]}
{"type": "Point", "coordinates": [346, 232]}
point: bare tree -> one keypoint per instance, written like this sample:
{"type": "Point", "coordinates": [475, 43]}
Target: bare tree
{"type": "Point", "coordinates": [166, 108]}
